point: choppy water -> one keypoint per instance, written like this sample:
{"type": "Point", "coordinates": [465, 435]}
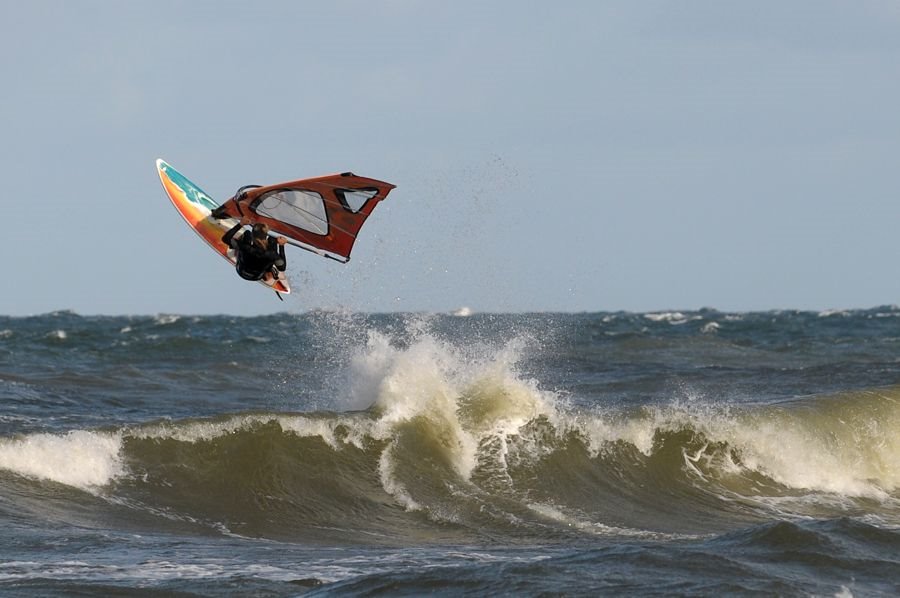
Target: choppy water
{"type": "Point", "coordinates": [696, 453]}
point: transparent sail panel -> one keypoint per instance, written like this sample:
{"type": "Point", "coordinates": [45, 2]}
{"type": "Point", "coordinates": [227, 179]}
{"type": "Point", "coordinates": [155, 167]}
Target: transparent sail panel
{"type": "Point", "coordinates": [355, 199]}
{"type": "Point", "coordinates": [303, 209]}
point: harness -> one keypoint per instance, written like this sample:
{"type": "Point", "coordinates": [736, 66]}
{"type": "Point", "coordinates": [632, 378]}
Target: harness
{"type": "Point", "coordinates": [258, 265]}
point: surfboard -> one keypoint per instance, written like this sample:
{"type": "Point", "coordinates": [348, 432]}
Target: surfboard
{"type": "Point", "coordinates": [196, 208]}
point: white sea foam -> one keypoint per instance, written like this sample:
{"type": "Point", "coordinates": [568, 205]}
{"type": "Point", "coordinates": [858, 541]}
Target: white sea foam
{"type": "Point", "coordinates": [799, 454]}
{"type": "Point", "coordinates": [581, 523]}
{"type": "Point", "coordinates": [827, 313]}
{"type": "Point", "coordinates": [81, 459]}
{"type": "Point", "coordinates": [675, 318]}
{"type": "Point", "coordinates": [355, 429]}
{"type": "Point", "coordinates": [468, 399]}
{"type": "Point", "coordinates": [150, 572]}
{"type": "Point", "coordinates": [201, 430]}
{"type": "Point", "coordinates": [851, 457]}
{"type": "Point", "coordinates": [710, 328]}
{"type": "Point", "coordinates": [844, 593]}
{"type": "Point", "coordinates": [665, 316]}
{"type": "Point", "coordinates": [391, 484]}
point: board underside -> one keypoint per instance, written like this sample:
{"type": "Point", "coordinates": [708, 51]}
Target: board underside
{"type": "Point", "coordinates": [196, 208]}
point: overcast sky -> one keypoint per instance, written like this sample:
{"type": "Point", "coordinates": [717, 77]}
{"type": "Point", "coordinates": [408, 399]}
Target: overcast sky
{"type": "Point", "coordinates": [567, 156]}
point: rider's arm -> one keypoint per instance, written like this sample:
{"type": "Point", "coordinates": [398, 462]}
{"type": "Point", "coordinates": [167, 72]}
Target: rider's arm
{"type": "Point", "coordinates": [281, 262]}
{"type": "Point", "coordinates": [227, 237]}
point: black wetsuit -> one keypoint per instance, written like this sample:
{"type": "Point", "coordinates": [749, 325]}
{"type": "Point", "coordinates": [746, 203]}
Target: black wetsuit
{"type": "Point", "coordinates": [252, 260]}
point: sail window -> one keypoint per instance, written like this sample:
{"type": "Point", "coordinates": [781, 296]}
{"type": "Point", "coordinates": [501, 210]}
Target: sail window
{"type": "Point", "coordinates": [355, 199]}
{"type": "Point", "coordinates": [296, 207]}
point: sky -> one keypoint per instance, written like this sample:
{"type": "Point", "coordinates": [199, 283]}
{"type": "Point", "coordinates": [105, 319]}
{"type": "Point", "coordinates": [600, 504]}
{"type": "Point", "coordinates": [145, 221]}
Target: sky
{"type": "Point", "coordinates": [570, 156]}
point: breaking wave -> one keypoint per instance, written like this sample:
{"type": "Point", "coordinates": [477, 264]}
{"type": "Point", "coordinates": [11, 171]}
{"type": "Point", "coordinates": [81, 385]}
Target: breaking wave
{"type": "Point", "coordinates": [457, 445]}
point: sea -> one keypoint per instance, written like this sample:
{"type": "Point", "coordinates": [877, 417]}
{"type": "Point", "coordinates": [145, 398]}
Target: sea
{"type": "Point", "coordinates": [680, 453]}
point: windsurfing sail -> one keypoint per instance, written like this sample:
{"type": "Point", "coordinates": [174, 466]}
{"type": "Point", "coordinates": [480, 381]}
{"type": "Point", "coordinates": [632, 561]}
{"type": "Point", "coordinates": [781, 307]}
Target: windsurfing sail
{"type": "Point", "coordinates": [322, 214]}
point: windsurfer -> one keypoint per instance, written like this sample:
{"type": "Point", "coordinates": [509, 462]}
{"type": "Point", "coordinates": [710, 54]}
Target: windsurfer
{"type": "Point", "coordinates": [259, 256]}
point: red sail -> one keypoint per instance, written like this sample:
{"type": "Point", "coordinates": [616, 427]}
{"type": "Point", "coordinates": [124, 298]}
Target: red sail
{"type": "Point", "coordinates": [323, 213]}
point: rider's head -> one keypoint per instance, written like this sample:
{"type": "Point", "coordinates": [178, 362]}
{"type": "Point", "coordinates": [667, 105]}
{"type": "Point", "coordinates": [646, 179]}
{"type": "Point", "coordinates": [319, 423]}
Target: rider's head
{"type": "Point", "coordinates": [260, 230]}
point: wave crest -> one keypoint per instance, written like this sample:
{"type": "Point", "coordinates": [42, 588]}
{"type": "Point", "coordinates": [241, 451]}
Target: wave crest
{"type": "Point", "coordinates": [456, 442]}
